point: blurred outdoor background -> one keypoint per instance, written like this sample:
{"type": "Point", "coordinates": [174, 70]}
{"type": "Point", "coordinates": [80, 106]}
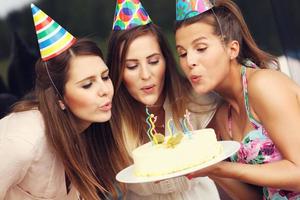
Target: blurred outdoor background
{"type": "Point", "coordinates": [275, 25]}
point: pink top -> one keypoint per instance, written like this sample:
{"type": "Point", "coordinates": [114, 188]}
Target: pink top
{"type": "Point", "coordinates": [29, 169]}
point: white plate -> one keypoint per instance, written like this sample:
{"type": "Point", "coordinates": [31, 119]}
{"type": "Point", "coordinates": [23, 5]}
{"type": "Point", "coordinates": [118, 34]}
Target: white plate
{"type": "Point", "coordinates": [127, 175]}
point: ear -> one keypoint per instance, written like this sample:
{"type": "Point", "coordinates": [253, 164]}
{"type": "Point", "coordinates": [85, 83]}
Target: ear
{"type": "Point", "coordinates": [61, 105]}
{"type": "Point", "coordinates": [234, 49]}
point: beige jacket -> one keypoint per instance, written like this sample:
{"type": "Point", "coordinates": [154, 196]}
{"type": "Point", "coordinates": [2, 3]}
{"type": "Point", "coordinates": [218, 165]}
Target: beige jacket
{"type": "Point", "coordinates": [29, 169]}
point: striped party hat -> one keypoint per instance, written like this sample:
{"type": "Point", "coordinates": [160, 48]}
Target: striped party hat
{"type": "Point", "coordinates": [52, 38]}
{"type": "Point", "coordinates": [189, 8]}
{"type": "Point", "coordinates": [129, 14]}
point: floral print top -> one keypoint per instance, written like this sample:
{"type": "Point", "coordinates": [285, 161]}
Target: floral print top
{"type": "Point", "coordinates": [258, 148]}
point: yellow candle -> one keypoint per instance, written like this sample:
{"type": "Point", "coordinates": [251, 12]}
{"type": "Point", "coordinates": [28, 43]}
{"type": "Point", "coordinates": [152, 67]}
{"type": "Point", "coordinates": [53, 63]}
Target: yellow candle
{"type": "Point", "coordinates": [169, 127]}
{"type": "Point", "coordinates": [152, 128]}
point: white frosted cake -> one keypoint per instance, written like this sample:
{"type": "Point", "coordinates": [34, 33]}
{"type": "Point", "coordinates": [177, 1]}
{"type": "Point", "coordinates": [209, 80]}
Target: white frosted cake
{"type": "Point", "coordinates": [160, 159]}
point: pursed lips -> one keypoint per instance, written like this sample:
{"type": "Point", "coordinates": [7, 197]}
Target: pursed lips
{"type": "Point", "coordinates": [106, 106]}
{"type": "Point", "coordinates": [148, 88]}
{"type": "Point", "coordinates": [195, 78]}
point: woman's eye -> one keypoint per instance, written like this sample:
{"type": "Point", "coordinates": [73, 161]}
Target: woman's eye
{"type": "Point", "coordinates": [88, 85]}
{"type": "Point", "coordinates": [153, 62]}
{"type": "Point", "coordinates": [201, 49]}
{"type": "Point", "coordinates": [131, 66]}
{"type": "Point", "coordinates": [182, 55]}
{"type": "Point", "coordinates": [105, 78]}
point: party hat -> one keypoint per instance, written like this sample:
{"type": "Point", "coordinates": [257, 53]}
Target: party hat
{"type": "Point", "coordinates": [189, 8]}
{"type": "Point", "coordinates": [53, 39]}
{"type": "Point", "coordinates": [129, 14]}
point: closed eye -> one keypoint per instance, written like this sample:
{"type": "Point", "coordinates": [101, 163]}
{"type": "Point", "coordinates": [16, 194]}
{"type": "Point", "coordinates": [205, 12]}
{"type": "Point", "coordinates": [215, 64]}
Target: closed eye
{"type": "Point", "coordinates": [87, 86]}
{"type": "Point", "coordinates": [182, 55]}
{"type": "Point", "coordinates": [105, 78]}
{"type": "Point", "coordinates": [131, 67]}
{"type": "Point", "coordinates": [154, 62]}
{"type": "Point", "coordinates": [201, 49]}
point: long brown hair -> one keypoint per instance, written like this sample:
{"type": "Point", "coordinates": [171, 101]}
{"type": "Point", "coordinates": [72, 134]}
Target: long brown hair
{"type": "Point", "coordinates": [128, 114]}
{"type": "Point", "coordinates": [92, 158]}
{"type": "Point", "coordinates": [229, 24]}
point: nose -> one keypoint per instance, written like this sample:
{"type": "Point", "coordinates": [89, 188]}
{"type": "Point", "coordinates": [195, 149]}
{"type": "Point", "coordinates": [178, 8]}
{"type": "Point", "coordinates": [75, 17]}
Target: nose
{"type": "Point", "coordinates": [104, 88]}
{"type": "Point", "coordinates": [145, 72]}
{"type": "Point", "coordinates": [191, 59]}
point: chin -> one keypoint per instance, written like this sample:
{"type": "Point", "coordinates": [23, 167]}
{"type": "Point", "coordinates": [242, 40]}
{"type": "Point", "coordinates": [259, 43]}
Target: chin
{"type": "Point", "coordinates": [149, 101]}
{"type": "Point", "coordinates": [200, 90]}
{"type": "Point", "coordinates": [103, 117]}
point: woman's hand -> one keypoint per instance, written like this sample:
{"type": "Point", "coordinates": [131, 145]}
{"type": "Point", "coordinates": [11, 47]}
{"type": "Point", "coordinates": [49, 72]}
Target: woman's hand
{"type": "Point", "coordinates": [211, 171]}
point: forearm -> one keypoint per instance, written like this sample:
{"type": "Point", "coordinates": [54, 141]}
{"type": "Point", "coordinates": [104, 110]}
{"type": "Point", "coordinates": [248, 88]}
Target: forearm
{"type": "Point", "coordinates": [281, 174]}
{"type": "Point", "coordinates": [238, 190]}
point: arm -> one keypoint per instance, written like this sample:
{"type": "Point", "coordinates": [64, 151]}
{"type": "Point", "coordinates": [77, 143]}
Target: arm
{"type": "Point", "coordinates": [274, 102]}
{"type": "Point", "coordinates": [281, 174]}
{"type": "Point", "coordinates": [232, 185]}
{"type": "Point", "coordinates": [274, 99]}
{"type": "Point", "coordinates": [234, 188]}
{"type": "Point", "coordinates": [239, 190]}
{"type": "Point", "coordinates": [16, 156]}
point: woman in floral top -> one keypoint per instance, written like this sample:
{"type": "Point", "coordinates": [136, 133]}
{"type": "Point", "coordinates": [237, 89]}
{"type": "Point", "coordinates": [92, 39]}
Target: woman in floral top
{"type": "Point", "coordinates": [261, 108]}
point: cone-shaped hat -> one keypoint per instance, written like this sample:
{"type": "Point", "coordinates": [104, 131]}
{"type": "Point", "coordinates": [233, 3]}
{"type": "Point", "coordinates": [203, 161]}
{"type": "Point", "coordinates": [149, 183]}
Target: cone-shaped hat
{"type": "Point", "coordinates": [129, 14]}
{"type": "Point", "coordinates": [189, 8]}
{"type": "Point", "coordinates": [52, 38]}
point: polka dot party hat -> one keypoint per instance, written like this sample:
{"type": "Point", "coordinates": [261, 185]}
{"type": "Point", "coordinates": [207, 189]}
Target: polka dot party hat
{"type": "Point", "coordinates": [129, 14]}
{"type": "Point", "coordinates": [189, 8]}
{"type": "Point", "coordinates": [52, 38]}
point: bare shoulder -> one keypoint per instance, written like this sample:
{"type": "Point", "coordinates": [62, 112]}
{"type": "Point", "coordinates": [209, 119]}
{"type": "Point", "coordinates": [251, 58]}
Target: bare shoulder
{"type": "Point", "coordinates": [269, 83]}
{"type": "Point", "coordinates": [266, 78]}
{"type": "Point", "coordinates": [269, 92]}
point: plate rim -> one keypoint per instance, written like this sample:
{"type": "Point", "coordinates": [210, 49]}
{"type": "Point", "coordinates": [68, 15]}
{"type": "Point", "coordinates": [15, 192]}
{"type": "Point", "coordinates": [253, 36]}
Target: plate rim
{"type": "Point", "coordinates": [145, 179]}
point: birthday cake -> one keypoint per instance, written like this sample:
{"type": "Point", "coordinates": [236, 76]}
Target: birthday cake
{"type": "Point", "coordinates": [176, 153]}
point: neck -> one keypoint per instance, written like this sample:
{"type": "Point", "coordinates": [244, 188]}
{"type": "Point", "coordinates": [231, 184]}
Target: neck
{"type": "Point", "coordinates": [231, 88]}
{"type": "Point", "coordinates": [159, 103]}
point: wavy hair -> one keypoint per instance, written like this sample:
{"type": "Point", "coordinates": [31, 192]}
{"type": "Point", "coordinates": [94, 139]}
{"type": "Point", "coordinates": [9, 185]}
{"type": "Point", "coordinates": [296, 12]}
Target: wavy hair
{"type": "Point", "coordinates": [92, 158]}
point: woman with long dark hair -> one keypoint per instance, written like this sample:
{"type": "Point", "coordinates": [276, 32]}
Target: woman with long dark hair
{"type": "Point", "coordinates": [144, 74]}
{"type": "Point", "coordinates": [59, 145]}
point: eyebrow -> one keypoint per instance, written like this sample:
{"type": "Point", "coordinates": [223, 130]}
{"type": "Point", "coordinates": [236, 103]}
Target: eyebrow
{"type": "Point", "coordinates": [194, 41]}
{"type": "Point", "coordinates": [154, 54]}
{"type": "Point", "coordinates": [91, 77]}
{"type": "Point", "coordinates": [199, 39]}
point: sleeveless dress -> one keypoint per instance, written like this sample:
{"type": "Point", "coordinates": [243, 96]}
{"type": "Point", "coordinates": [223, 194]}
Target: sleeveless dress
{"type": "Point", "coordinates": [258, 148]}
